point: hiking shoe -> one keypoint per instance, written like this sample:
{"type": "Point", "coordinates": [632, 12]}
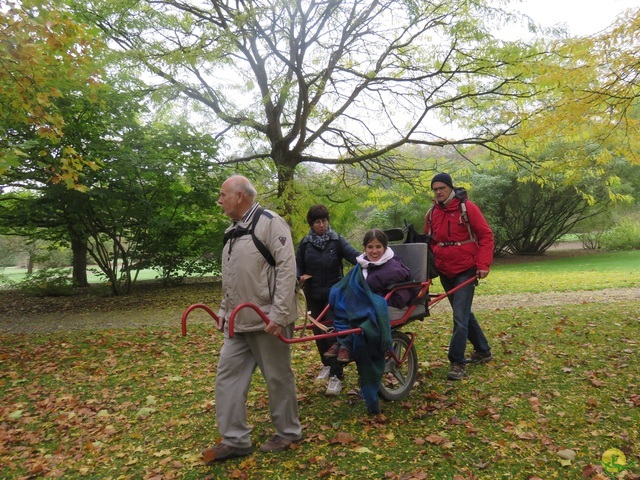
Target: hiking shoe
{"type": "Point", "coordinates": [223, 451]}
{"type": "Point", "coordinates": [277, 444]}
{"type": "Point", "coordinates": [374, 408]}
{"type": "Point", "coordinates": [333, 351]}
{"type": "Point", "coordinates": [333, 387]}
{"type": "Point", "coordinates": [456, 372]}
{"type": "Point", "coordinates": [343, 355]}
{"type": "Point", "coordinates": [478, 358]}
{"type": "Point", "coordinates": [324, 374]}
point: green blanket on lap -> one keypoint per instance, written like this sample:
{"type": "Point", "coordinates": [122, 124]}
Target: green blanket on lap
{"type": "Point", "coordinates": [354, 305]}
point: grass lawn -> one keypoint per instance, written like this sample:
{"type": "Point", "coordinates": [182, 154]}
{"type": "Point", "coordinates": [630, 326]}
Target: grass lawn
{"type": "Point", "coordinates": [587, 272]}
{"type": "Point", "coordinates": [563, 389]}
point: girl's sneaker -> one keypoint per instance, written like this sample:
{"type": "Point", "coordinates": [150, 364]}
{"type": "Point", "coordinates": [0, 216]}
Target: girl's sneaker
{"type": "Point", "coordinates": [343, 355]}
{"type": "Point", "coordinates": [333, 351]}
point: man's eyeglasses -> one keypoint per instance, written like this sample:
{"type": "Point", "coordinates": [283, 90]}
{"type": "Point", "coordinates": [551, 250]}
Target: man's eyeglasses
{"type": "Point", "coordinates": [438, 189]}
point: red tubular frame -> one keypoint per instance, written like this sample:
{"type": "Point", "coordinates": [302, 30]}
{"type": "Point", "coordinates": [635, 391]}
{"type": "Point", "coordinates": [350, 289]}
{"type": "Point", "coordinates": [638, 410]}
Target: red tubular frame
{"type": "Point", "coordinates": [393, 355]}
{"type": "Point", "coordinates": [424, 288]}
{"type": "Point", "coordinates": [193, 307]}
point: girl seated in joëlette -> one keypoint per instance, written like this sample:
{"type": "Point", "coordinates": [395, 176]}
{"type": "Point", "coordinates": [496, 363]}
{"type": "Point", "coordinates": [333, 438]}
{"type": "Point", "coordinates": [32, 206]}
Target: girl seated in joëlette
{"type": "Point", "coordinates": [357, 301]}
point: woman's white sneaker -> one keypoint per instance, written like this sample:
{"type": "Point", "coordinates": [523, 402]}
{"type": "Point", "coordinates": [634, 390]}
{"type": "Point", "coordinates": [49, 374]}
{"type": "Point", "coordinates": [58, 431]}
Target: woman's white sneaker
{"type": "Point", "coordinates": [324, 374]}
{"type": "Point", "coordinates": [334, 386]}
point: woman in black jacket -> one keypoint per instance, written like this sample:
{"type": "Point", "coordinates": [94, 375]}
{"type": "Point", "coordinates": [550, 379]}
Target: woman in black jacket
{"type": "Point", "coordinates": [319, 266]}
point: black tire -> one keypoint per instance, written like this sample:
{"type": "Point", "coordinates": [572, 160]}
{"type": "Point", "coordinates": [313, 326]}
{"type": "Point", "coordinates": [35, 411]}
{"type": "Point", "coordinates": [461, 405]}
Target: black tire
{"type": "Point", "coordinates": [398, 380]}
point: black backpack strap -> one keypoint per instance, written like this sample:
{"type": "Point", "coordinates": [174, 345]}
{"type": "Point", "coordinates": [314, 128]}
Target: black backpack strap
{"type": "Point", "coordinates": [303, 246]}
{"type": "Point", "coordinates": [239, 232]}
{"type": "Point", "coordinates": [262, 248]}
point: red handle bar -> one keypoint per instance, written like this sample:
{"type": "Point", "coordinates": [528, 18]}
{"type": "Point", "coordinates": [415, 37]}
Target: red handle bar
{"type": "Point", "coordinates": [266, 320]}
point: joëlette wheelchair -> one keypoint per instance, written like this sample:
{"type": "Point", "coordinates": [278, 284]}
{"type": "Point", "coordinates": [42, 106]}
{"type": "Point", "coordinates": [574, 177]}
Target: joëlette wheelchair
{"type": "Point", "coordinates": [401, 366]}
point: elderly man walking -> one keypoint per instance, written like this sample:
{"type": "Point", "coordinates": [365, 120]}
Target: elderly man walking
{"type": "Point", "coordinates": [249, 275]}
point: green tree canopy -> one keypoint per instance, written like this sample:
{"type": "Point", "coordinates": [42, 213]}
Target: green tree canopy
{"type": "Point", "coordinates": [588, 113]}
{"type": "Point", "coordinates": [149, 206]}
{"type": "Point", "coordinates": [334, 82]}
{"type": "Point", "coordinates": [44, 55]}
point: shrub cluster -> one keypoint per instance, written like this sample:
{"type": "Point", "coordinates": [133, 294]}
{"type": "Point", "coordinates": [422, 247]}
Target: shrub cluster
{"type": "Point", "coordinates": [47, 282]}
{"type": "Point", "coordinates": [624, 236]}
{"type": "Point", "coordinates": [591, 240]}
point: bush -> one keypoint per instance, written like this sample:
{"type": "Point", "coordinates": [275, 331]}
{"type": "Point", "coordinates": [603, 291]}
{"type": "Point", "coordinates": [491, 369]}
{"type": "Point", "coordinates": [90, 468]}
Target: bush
{"type": "Point", "coordinates": [55, 259]}
{"type": "Point", "coordinates": [47, 282]}
{"type": "Point", "coordinates": [625, 236]}
{"type": "Point", "coordinates": [591, 240]}
{"type": "Point", "coordinates": [5, 283]}
{"type": "Point", "coordinates": [591, 230]}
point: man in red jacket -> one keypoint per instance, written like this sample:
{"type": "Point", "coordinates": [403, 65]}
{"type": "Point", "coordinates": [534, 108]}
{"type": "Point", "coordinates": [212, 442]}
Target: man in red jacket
{"type": "Point", "coordinates": [463, 248]}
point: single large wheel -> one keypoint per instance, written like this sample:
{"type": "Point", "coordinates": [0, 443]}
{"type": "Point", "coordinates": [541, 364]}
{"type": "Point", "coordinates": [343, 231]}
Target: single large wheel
{"type": "Point", "coordinates": [398, 379]}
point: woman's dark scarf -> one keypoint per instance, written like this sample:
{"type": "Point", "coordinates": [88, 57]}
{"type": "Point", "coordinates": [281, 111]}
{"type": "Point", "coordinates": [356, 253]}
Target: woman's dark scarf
{"type": "Point", "coordinates": [319, 241]}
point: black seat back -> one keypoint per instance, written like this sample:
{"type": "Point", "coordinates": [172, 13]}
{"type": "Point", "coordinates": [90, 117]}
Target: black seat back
{"type": "Point", "coordinates": [414, 256]}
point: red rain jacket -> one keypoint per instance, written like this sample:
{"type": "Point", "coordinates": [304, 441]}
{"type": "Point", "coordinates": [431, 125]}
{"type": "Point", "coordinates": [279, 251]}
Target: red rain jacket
{"type": "Point", "coordinates": [447, 225]}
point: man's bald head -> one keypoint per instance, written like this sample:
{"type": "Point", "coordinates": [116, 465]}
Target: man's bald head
{"type": "Point", "coordinates": [237, 194]}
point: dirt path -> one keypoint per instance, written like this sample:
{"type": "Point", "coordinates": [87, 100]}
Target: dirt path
{"type": "Point", "coordinates": [489, 302]}
{"type": "Point", "coordinates": [171, 317]}
{"type": "Point", "coordinates": [57, 322]}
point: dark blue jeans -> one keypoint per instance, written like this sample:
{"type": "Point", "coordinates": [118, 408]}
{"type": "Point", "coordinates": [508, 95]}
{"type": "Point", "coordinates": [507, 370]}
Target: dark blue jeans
{"type": "Point", "coordinates": [465, 325]}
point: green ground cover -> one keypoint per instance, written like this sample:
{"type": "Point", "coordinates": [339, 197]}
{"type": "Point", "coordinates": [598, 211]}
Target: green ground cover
{"type": "Point", "coordinates": [140, 403]}
{"type": "Point", "coordinates": [588, 272]}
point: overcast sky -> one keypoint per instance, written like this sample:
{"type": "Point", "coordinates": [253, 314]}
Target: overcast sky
{"type": "Point", "coordinates": [582, 17]}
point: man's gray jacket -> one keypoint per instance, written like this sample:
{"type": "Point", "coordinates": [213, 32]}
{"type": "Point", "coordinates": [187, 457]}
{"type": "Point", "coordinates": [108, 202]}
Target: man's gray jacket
{"type": "Point", "coordinates": [248, 277]}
